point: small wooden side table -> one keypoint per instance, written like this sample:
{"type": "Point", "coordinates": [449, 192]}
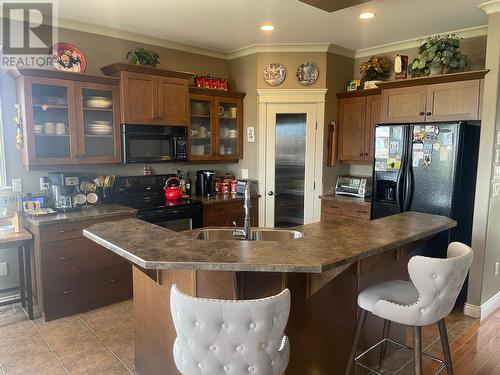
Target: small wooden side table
{"type": "Point", "coordinates": [23, 240]}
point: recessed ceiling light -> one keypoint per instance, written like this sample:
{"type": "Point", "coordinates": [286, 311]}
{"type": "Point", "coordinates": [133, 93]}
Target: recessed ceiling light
{"type": "Point", "coordinates": [267, 28]}
{"type": "Point", "coordinates": [366, 15]}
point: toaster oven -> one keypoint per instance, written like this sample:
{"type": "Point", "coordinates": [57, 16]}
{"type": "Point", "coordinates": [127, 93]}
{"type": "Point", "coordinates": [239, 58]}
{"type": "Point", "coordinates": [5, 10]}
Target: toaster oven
{"type": "Point", "coordinates": [353, 185]}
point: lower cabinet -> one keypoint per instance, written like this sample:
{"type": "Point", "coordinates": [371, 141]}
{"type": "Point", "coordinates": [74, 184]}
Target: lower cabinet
{"type": "Point", "coordinates": [331, 209]}
{"type": "Point", "coordinates": [222, 214]}
{"type": "Point", "coordinates": [74, 274]}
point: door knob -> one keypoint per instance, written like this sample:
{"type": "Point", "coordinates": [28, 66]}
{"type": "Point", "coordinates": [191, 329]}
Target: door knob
{"type": "Point", "coordinates": [428, 113]}
{"type": "Point", "coordinates": [270, 193]}
{"type": "Point", "coordinates": [421, 113]}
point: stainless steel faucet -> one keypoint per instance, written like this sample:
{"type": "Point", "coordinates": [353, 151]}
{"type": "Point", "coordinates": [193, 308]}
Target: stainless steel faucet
{"type": "Point", "coordinates": [244, 233]}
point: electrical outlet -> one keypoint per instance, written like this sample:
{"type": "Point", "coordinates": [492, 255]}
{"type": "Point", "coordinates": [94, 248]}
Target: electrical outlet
{"type": "Point", "coordinates": [244, 173]}
{"type": "Point", "coordinates": [497, 155]}
{"type": "Point", "coordinates": [496, 171]}
{"type": "Point", "coordinates": [43, 185]}
{"type": "Point", "coordinates": [495, 189]}
{"type": "Point", "coordinates": [4, 269]}
{"type": "Point", "coordinates": [496, 269]}
{"type": "Point", "coordinates": [17, 185]}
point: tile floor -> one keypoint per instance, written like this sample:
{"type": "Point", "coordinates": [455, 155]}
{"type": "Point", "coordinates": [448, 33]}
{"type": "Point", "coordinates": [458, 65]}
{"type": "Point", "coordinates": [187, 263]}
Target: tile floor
{"type": "Point", "coordinates": [102, 342]}
{"type": "Point", "coordinates": [96, 342]}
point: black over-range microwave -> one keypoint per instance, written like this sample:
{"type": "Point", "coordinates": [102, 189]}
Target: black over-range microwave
{"type": "Point", "coordinates": [154, 143]}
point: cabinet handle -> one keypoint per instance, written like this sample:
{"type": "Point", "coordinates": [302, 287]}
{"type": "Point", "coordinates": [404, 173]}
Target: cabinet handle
{"type": "Point", "coordinates": [69, 291]}
{"type": "Point", "coordinates": [334, 206]}
{"type": "Point", "coordinates": [362, 212]}
{"type": "Point", "coordinates": [63, 259]}
{"type": "Point", "coordinates": [66, 231]}
{"type": "Point", "coordinates": [428, 113]}
{"type": "Point", "coordinates": [361, 154]}
{"type": "Point", "coordinates": [366, 153]}
{"type": "Point", "coordinates": [421, 113]}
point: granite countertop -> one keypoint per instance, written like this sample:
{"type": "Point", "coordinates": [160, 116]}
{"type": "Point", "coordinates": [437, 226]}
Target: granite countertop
{"type": "Point", "coordinates": [325, 245]}
{"type": "Point", "coordinates": [218, 198]}
{"type": "Point", "coordinates": [346, 198]}
{"type": "Point", "coordinates": [105, 210]}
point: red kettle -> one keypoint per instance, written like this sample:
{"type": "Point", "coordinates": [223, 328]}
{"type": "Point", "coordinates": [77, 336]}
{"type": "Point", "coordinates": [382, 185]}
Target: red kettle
{"type": "Point", "coordinates": [173, 192]}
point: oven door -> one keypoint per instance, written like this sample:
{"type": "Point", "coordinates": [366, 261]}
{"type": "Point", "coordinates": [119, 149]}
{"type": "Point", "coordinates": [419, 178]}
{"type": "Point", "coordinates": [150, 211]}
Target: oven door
{"type": "Point", "coordinates": [150, 144]}
{"type": "Point", "coordinates": [177, 219]}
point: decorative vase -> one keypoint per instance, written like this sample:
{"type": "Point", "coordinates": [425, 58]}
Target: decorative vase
{"type": "Point", "coordinates": [436, 70]}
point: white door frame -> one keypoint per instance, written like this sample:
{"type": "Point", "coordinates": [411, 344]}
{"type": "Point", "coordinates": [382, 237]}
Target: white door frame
{"type": "Point", "coordinates": [291, 96]}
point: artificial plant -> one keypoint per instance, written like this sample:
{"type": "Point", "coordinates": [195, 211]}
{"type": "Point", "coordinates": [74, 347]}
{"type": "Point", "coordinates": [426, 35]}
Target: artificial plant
{"type": "Point", "coordinates": [142, 56]}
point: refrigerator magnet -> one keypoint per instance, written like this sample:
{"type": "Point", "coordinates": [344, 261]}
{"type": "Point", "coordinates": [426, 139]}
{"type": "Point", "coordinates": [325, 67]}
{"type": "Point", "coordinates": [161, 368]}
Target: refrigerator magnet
{"type": "Point", "coordinates": [444, 153]}
{"type": "Point", "coordinates": [428, 148]}
{"type": "Point", "coordinates": [416, 162]}
{"type": "Point", "coordinates": [436, 146]}
{"type": "Point", "coordinates": [427, 160]}
{"type": "Point", "coordinates": [447, 139]}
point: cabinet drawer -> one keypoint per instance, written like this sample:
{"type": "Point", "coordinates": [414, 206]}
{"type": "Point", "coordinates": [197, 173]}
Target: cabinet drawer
{"type": "Point", "coordinates": [350, 209]}
{"type": "Point", "coordinates": [226, 209]}
{"type": "Point", "coordinates": [69, 294]}
{"type": "Point", "coordinates": [73, 229]}
{"type": "Point", "coordinates": [75, 255]}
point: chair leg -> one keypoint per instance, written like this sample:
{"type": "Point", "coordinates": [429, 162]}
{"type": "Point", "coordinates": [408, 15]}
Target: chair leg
{"type": "Point", "coordinates": [417, 349]}
{"type": "Point", "coordinates": [446, 346]}
{"type": "Point", "coordinates": [359, 329]}
{"type": "Point", "coordinates": [383, 347]}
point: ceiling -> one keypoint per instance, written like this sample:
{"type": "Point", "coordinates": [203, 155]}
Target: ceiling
{"type": "Point", "coordinates": [229, 25]}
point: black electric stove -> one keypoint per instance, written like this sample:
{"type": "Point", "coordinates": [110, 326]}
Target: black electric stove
{"type": "Point", "coordinates": [145, 193]}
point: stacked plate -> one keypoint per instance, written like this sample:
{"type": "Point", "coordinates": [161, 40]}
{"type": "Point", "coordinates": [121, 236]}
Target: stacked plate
{"type": "Point", "coordinates": [98, 102]}
{"type": "Point", "coordinates": [100, 128]}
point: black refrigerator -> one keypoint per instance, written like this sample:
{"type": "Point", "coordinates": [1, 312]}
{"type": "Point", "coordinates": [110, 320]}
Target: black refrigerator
{"type": "Point", "coordinates": [428, 168]}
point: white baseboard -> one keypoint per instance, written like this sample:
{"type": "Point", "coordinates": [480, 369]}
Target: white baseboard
{"type": "Point", "coordinates": [485, 309]}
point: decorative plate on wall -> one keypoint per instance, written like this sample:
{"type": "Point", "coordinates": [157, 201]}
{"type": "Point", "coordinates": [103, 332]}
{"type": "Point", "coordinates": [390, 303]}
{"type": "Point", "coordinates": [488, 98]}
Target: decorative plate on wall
{"type": "Point", "coordinates": [67, 57]}
{"type": "Point", "coordinates": [274, 74]}
{"type": "Point", "coordinates": [307, 73]}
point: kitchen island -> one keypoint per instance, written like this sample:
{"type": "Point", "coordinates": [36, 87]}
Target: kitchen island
{"type": "Point", "coordinates": [324, 270]}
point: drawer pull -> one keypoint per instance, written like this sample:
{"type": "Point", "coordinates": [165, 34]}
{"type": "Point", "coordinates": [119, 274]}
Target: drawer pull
{"type": "Point", "coordinates": [63, 259]}
{"type": "Point", "coordinates": [362, 212]}
{"type": "Point", "coordinates": [66, 231]}
{"type": "Point", "coordinates": [69, 291]}
{"type": "Point", "coordinates": [334, 206]}
{"type": "Point", "coordinates": [111, 281]}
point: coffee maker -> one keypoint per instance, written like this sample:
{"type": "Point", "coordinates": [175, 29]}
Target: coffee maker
{"type": "Point", "coordinates": [63, 186]}
{"type": "Point", "coordinates": [205, 181]}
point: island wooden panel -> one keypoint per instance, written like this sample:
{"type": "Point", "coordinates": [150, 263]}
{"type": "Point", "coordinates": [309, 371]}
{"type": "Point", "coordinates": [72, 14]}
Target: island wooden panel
{"type": "Point", "coordinates": [322, 319]}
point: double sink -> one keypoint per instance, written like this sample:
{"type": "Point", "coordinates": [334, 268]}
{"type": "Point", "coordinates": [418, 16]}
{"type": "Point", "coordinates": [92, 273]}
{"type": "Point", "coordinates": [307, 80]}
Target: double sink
{"type": "Point", "coordinates": [256, 234]}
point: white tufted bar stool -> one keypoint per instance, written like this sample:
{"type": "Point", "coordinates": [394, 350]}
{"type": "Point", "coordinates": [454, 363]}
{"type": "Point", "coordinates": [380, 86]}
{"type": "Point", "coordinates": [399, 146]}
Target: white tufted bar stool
{"type": "Point", "coordinates": [427, 299]}
{"type": "Point", "coordinates": [218, 337]}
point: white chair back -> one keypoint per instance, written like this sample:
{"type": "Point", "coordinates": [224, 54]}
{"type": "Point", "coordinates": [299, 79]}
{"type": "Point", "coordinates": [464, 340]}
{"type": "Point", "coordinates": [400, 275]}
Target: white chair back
{"type": "Point", "coordinates": [230, 337]}
{"type": "Point", "coordinates": [438, 282]}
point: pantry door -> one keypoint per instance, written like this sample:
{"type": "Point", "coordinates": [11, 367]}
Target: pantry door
{"type": "Point", "coordinates": [290, 164]}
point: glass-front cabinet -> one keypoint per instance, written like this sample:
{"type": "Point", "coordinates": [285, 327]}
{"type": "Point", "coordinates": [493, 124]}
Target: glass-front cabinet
{"type": "Point", "coordinates": [68, 119]}
{"type": "Point", "coordinates": [216, 125]}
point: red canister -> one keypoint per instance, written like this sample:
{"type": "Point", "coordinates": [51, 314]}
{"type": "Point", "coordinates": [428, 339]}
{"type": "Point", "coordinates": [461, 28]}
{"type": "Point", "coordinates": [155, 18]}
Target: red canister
{"type": "Point", "coordinates": [234, 186]}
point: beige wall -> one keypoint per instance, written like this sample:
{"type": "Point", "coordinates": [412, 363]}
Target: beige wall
{"type": "Point", "coordinates": [338, 72]}
{"type": "Point", "coordinates": [474, 48]}
{"type": "Point", "coordinates": [483, 284]}
{"type": "Point", "coordinates": [243, 77]}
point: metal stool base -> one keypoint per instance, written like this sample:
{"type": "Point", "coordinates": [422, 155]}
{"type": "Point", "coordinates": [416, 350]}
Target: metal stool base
{"type": "Point", "coordinates": [356, 359]}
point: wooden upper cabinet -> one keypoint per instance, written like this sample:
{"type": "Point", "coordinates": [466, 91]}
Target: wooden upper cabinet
{"type": "Point", "coordinates": [403, 105]}
{"type": "Point", "coordinates": [152, 96]}
{"type": "Point", "coordinates": [173, 99]}
{"type": "Point", "coordinates": [359, 113]}
{"type": "Point", "coordinates": [453, 101]}
{"type": "Point", "coordinates": [373, 111]}
{"type": "Point", "coordinates": [139, 98]}
{"type": "Point", "coordinates": [447, 97]}
{"type": "Point", "coordinates": [352, 123]}
{"type": "Point", "coordinates": [68, 118]}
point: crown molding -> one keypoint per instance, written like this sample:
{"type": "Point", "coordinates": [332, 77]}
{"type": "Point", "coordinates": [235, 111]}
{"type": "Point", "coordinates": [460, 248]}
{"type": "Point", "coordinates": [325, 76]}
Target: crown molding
{"type": "Point", "coordinates": [472, 32]}
{"type": "Point", "coordinates": [489, 7]}
{"type": "Point", "coordinates": [277, 48]}
{"type": "Point", "coordinates": [342, 51]}
{"type": "Point", "coordinates": [135, 37]}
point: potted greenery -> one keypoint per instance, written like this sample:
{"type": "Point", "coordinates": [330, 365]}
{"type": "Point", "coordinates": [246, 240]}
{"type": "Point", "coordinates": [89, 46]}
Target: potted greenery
{"type": "Point", "coordinates": [439, 54]}
{"type": "Point", "coordinates": [142, 56]}
{"type": "Point", "coordinates": [373, 71]}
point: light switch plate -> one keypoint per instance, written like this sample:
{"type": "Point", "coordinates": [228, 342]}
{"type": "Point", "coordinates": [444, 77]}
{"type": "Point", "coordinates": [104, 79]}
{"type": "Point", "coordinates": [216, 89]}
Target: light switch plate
{"type": "Point", "coordinates": [17, 185]}
{"type": "Point", "coordinates": [497, 155]}
{"type": "Point", "coordinates": [496, 269]}
{"type": "Point", "coordinates": [244, 173]}
{"type": "Point", "coordinates": [496, 172]}
{"type": "Point", "coordinates": [250, 134]}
